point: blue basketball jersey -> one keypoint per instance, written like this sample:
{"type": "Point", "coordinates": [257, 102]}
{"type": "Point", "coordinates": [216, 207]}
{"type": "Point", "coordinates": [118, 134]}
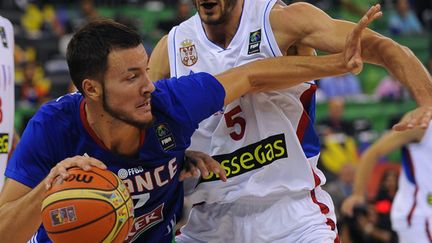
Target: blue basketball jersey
{"type": "Point", "coordinates": [60, 130]}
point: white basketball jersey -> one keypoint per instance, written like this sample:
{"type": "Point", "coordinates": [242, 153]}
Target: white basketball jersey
{"type": "Point", "coordinates": [264, 141]}
{"type": "Point", "coordinates": [7, 95]}
{"type": "Point", "coordinates": [413, 201]}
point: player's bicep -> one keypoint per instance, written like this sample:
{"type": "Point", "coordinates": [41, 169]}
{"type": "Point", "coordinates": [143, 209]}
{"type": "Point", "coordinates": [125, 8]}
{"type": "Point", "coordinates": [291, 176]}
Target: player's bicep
{"type": "Point", "coordinates": [159, 63]}
{"type": "Point", "coordinates": [311, 26]}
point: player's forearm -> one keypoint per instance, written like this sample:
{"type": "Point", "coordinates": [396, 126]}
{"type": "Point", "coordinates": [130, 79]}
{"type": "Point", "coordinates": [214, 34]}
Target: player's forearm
{"type": "Point", "coordinates": [279, 73]}
{"type": "Point", "coordinates": [364, 169]}
{"type": "Point", "coordinates": [288, 71]}
{"type": "Point", "coordinates": [21, 218]}
{"type": "Point", "coordinates": [405, 66]}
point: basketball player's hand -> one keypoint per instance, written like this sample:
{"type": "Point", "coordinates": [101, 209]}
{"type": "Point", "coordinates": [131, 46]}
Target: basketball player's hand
{"type": "Point", "coordinates": [419, 117]}
{"type": "Point", "coordinates": [196, 162]}
{"type": "Point", "coordinates": [352, 52]}
{"type": "Point", "coordinates": [59, 172]}
{"type": "Point", "coordinates": [350, 202]}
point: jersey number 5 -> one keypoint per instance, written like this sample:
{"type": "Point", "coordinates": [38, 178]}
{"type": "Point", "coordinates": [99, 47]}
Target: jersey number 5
{"type": "Point", "coordinates": [231, 120]}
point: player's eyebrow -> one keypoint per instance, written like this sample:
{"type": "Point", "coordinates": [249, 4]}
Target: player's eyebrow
{"type": "Point", "coordinates": [133, 69]}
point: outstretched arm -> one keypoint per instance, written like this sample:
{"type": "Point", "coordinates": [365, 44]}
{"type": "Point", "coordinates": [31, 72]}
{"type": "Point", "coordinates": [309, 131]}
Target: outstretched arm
{"type": "Point", "coordinates": [312, 27]}
{"type": "Point", "coordinates": [287, 71]}
{"type": "Point", "coordinates": [389, 142]}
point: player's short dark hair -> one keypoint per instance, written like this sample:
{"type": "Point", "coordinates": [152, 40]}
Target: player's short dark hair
{"type": "Point", "coordinates": [87, 52]}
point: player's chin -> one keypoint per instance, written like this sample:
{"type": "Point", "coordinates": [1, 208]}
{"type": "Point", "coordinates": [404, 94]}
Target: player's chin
{"type": "Point", "coordinates": [145, 118]}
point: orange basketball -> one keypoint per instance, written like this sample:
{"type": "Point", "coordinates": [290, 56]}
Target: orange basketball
{"type": "Point", "coordinates": [90, 206]}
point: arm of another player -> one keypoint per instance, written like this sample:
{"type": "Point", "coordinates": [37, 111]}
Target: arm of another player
{"type": "Point", "coordinates": [312, 27]}
{"type": "Point", "coordinates": [159, 61]}
{"type": "Point", "coordinates": [20, 205]}
{"type": "Point", "coordinates": [204, 163]}
{"type": "Point", "coordinates": [287, 71]}
{"type": "Point", "coordinates": [389, 142]}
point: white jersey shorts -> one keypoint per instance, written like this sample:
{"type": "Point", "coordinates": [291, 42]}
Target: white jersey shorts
{"type": "Point", "coordinates": [304, 217]}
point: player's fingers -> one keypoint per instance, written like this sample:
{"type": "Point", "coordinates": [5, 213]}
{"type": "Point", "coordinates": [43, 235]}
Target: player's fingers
{"type": "Point", "coordinates": [203, 167]}
{"type": "Point", "coordinates": [48, 181]}
{"type": "Point", "coordinates": [375, 16]}
{"type": "Point", "coordinates": [424, 121]}
{"type": "Point", "coordinates": [184, 175]}
{"type": "Point", "coordinates": [215, 167]}
{"type": "Point", "coordinates": [62, 168]}
{"type": "Point", "coordinates": [372, 14]}
{"type": "Point", "coordinates": [400, 126]}
{"type": "Point", "coordinates": [54, 173]}
{"type": "Point", "coordinates": [95, 162]}
{"type": "Point", "coordinates": [426, 118]}
{"type": "Point", "coordinates": [222, 175]}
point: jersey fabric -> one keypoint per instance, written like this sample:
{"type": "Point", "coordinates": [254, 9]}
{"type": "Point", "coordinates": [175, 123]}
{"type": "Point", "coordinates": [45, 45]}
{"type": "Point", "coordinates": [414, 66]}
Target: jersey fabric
{"type": "Point", "coordinates": [60, 130]}
{"type": "Point", "coordinates": [411, 213]}
{"type": "Point", "coordinates": [264, 141]}
{"type": "Point", "coordinates": [7, 94]}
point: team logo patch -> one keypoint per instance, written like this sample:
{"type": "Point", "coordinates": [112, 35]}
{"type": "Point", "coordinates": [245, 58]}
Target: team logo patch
{"type": "Point", "coordinates": [63, 215]}
{"type": "Point", "coordinates": [4, 142]}
{"type": "Point", "coordinates": [166, 139]}
{"type": "Point", "coordinates": [188, 53]}
{"type": "Point", "coordinates": [3, 37]}
{"type": "Point", "coordinates": [254, 42]}
{"type": "Point", "coordinates": [251, 157]}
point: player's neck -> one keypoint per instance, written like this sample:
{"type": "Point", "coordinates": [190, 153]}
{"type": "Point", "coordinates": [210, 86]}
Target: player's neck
{"type": "Point", "coordinates": [117, 136]}
{"type": "Point", "coordinates": [222, 34]}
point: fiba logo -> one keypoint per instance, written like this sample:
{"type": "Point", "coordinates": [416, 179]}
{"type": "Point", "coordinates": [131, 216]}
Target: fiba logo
{"type": "Point", "coordinates": [122, 174]}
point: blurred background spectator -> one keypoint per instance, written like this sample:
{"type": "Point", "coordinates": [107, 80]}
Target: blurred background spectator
{"type": "Point", "coordinates": [335, 123]}
{"type": "Point", "coordinates": [403, 20]}
{"type": "Point", "coordinates": [340, 188]}
{"type": "Point", "coordinates": [389, 89]}
{"type": "Point", "coordinates": [347, 86]}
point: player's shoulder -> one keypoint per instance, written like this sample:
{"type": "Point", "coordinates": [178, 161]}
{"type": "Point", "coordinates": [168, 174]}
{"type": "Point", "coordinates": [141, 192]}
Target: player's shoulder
{"type": "Point", "coordinates": [189, 82]}
{"type": "Point", "coordinates": [178, 91]}
{"type": "Point", "coordinates": [292, 10]}
{"type": "Point", "coordinates": [61, 110]}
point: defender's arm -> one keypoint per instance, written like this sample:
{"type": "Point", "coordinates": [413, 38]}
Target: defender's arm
{"type": "Point", "coordinates": [159, 62]}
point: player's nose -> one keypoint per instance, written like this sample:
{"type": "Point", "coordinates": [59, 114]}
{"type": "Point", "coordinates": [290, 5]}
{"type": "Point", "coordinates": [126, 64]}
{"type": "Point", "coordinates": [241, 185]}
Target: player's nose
{"type": "Point", "coordinates": [148, 86]}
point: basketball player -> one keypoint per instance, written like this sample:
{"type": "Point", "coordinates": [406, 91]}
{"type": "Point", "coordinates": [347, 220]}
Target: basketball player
{"type": "Point", "coordinates": [138, 129]}
{"type": "Point", "coordinates": [7, 94]}
{"type": "Point", "coordinates": [411, 213]}
{"type": "Point", "coordinates": [266, 142]}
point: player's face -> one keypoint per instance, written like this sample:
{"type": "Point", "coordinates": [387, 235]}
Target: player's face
{"type": "Point", "coordinates": [213, 12]}
{"type": "Point", "coordinates": [127, 88]}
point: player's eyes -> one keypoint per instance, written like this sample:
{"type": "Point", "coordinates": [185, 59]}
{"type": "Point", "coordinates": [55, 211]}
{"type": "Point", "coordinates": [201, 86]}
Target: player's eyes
{"type": "Point", "coordinates": [132, 77]}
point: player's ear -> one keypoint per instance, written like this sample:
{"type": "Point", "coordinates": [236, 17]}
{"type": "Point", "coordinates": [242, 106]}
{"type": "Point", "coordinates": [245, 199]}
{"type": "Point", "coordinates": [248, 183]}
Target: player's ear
{"type": "Point", "coordinates": [92, 89]}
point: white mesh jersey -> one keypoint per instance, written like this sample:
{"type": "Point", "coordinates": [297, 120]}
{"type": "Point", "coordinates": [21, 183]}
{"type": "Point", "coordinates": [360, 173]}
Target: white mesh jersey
{"type": "Point", "coordinates": [264, 141]}
{"type": "Point", "coordinates": [413, 202]}
{"type": "Point", "coordinates": [7, 99]}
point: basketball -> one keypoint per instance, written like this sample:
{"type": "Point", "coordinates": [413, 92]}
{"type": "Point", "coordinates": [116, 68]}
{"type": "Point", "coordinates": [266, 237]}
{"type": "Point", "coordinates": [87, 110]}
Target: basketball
{"type": "Point", "coordinates": [89, 206]}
